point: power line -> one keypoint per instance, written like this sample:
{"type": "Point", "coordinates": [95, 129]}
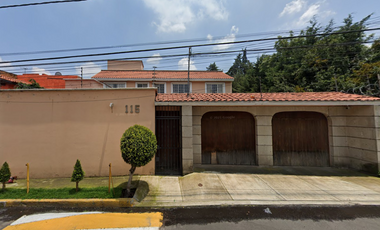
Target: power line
{"type": "Point", "coordinates": [185, 54]}
{"type": "Point", "coordinates": [181, 47]}
{"type": "Point", "coordinates": [372, 21]}
{"type": "Point", "coordinates": [140, 44]}
{"type": "Point", "coordinates": [40, 3]}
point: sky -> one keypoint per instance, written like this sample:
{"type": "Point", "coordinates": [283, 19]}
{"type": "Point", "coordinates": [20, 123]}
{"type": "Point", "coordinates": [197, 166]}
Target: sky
{"type": "Point", "coordinates": [128, 25]}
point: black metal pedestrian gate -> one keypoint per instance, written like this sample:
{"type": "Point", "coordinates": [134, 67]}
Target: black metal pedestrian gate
{"type": "Point", "coordinates": [169, 140]}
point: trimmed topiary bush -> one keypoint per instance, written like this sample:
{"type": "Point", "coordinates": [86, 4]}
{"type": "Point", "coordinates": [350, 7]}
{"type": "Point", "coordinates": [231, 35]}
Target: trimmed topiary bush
{"type": "Point", "coordinates": [138, 146]}
{"type": "Point", "coordinates": [5, 174]}
{"type": "Point", "coordinates": [78, 174]}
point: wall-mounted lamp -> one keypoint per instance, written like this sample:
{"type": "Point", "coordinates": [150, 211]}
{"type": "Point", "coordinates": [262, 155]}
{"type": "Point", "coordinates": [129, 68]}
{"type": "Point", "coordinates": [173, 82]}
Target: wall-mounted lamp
{"type": "Point", "coordinates": [111, 106]}
{"type": "Point", "coordinates": [348, 107]}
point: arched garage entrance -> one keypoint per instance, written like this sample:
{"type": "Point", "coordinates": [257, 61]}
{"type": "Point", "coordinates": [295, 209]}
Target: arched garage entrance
{"type": "Point", "coordinates": [300, 139]}
{"type": "Point", "coordinates": [228, 138]}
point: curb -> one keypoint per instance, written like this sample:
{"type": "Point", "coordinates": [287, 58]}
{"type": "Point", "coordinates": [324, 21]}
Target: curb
{"type": "Point", "coordinates": [88, 203]}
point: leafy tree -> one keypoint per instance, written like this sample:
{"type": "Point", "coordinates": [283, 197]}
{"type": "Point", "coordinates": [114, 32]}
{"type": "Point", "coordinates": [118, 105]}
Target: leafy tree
{"type": "Point", "coordinates": [213, 67]}
{"type": "Point", "coordinates": [34, 85]}
{"type": "Point", "coordinates": [317, 59]}
{"type": "Point", "coordinates": [138, 146]}
{"type": "Point", "coordinates": [78, 174]}
{"type": "Point", "coordinates": [5, 174]}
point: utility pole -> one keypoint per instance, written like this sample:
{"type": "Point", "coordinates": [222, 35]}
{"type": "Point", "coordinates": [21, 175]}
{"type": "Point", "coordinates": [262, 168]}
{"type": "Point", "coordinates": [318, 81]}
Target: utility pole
{"type": "Point", "coordinates": [154, 77]}
{"type": "Point", "coordinates": [154, 73]}
{"type": "Point", "coordinates": [81, 77]}
{"type": "Point", "coordinates": [188, 71]}
{"type": "Point", "coordinates": [261, 93]}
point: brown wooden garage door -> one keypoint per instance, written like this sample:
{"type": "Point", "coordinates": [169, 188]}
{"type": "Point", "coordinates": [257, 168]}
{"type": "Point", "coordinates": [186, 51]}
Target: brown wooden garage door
{"type": "Point", "coordinates": [300, 139]}
{"type": "Point", "coordinates": [228, 138]}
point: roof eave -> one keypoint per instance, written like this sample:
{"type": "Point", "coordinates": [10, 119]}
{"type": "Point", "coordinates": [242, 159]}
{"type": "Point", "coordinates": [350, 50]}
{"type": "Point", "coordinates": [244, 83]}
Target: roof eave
{"type": "Point", "coordinates": [165, 79]}
{"type": "Point", "coordinates": [268, 103]}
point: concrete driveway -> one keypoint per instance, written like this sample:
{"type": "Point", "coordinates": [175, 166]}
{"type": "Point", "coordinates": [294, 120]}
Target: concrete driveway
{"type": "Point", "coordinates": [273, 185]}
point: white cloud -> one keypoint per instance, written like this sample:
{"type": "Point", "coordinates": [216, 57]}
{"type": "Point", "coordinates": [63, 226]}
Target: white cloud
{"type": "Point", "coordinates": [229, 38]}
{"type": "Point", "coordinates": [293, 7]}
{"type": "Point", "coordinates": [183, 64]}
{"type": "Point", "coordinates": [176, 15]}
{"type": "Point", "coordinates": [39, 71]}
{"type": "Point", "coordinates": [309, 13]}
{"type": "Point", "coordinates": [214, 9]}
{"type": "Point", "coordinates": [209, 37]}
{"type": "Point", "coordinates": [89, 69]}
{"type": "Point", "coordinates": [155, 60]}
{"type": "Point", "coordinates": [300, 12]}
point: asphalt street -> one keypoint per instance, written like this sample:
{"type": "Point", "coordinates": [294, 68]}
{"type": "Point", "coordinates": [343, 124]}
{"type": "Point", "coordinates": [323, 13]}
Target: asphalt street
{"type": "Point", "coordinates": [237, 217]}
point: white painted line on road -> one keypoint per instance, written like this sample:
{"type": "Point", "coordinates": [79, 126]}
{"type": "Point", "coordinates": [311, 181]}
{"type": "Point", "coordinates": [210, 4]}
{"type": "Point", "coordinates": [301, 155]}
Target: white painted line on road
{"type": "Point", "coordinates": [142, 228]}
{"type": "Point", "coordinates": [48, 216]}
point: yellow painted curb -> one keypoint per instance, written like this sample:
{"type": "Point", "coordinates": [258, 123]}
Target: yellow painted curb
{"type": "Point", "coordinates": [95, 221]}
{"type": "Point", "coordinates": [121, 202]}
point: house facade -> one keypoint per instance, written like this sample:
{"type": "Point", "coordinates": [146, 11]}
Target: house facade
{"type": "Point", "coordinates": [9, 80]}
{"type": "Point", "coordinates": [278, 129]}
{"type": "Point", "coordinates": [193, 130]}
{"type": "Point", "coordinates": [48, 81]}
{"type": "Point", "coordinates": [131, 74]}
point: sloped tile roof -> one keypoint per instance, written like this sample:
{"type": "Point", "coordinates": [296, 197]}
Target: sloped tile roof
{"type": "Point", "coordinates": [14, 80]}
{"type": "Point", "coordinates": [160, 74]}
{"type": "Point", "coordinates": [229, 97]}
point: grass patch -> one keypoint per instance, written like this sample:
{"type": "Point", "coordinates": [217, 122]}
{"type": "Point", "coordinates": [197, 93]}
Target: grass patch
{"type": "Point", "coordinates": [60, 193]}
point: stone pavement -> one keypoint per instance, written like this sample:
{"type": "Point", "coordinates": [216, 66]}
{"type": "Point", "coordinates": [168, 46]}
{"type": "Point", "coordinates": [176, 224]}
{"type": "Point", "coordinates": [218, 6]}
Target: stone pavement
{"type": "Point", "coordinates": [251, 186]}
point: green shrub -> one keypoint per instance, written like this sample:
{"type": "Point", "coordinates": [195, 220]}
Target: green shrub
{"type": "Point", "coordinates": [5, 174]}
{"type": "Point", "coordinates": [78, 174]}
{"type": "Point", "coordinates": [138, 146]}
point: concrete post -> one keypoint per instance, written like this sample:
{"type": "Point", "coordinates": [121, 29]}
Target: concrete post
{"type": "Point", "coordinates": [187, 139]}
{"type": "Point", "coordinates": [377, 128]}
{"type": "Point", "coordinates": [264, 140]}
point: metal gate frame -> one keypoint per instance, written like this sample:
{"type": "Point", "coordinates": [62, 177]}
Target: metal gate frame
{"type": "Point", "coordinates": [168, 159]}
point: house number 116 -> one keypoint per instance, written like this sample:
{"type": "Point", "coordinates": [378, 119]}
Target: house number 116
{"type": "Point", "coordinates": [137, 109]}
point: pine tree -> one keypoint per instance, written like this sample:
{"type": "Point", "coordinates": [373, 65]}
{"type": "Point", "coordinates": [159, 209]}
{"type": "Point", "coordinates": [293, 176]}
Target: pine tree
{"type": "Point", "coordinates": [212, 67]}
{"type": "Point", "coordinates": [5, 174]}
{"type": "Point", "coordinates": [78, 174]}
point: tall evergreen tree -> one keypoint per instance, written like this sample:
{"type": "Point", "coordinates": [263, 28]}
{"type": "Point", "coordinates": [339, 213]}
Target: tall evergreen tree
{"type": "Point", "coordinates": [212, 67]}
{"type": "Point", "coordinates": [78, 174]}
{"type": "Point", "coordinates": [5, 174]}
{"type": "Point", "coordinates": [317, 59]}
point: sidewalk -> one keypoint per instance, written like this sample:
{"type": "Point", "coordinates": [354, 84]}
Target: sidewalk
{"type": "Point", "coordinates": [271, 186]}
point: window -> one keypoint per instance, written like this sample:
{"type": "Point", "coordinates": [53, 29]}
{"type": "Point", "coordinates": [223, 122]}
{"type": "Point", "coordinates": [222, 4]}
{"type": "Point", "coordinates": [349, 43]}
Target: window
{"type": "Point", "coordinates": [181, 88]}
{"type": "Point", "coordinates": [160, 87]}
{"type": "Point", "coordinates": [116, 84]}
{"type": "Point", "coordinates": [142, 85]}
{"type": "Point", "coordinates": [215, 88]}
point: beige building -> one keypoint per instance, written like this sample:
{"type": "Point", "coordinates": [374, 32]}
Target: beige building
{"type": "Point", "coordinates": [278, 129]}
{"type": "Point", "coordinates": [50, 129]}
{"type": "Point", "coordinates": [130, 74]}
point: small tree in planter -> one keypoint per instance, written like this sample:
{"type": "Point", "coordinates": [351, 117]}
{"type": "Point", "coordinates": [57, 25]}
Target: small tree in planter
{"type": "Point", "coordinates": [138, 146]}
{"type": "Point", "coordinates": [5, 174]}
{"type": "Point", "coordinates": [78, 174]}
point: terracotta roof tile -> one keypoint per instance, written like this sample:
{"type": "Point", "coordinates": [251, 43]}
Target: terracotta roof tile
{"type": "Point", "coordinates": [160, 74]}
{"type": "Point", "coordinates": [14, 80]}
{"type": "Point", "coordinates": [312, 96]}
